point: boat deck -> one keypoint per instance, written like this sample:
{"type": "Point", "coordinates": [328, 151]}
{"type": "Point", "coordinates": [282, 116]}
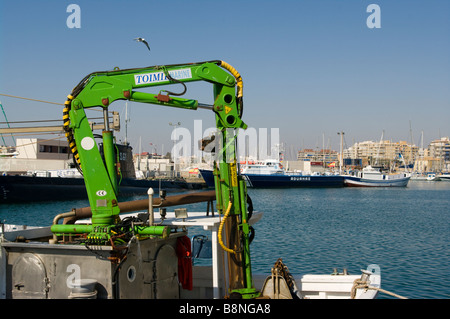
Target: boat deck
{"type": "Point", "coordinates": [208, 279]}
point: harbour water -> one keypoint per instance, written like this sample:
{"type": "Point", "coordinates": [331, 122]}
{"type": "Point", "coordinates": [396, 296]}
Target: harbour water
{"type": "Point", "coordinates": [406, 231]}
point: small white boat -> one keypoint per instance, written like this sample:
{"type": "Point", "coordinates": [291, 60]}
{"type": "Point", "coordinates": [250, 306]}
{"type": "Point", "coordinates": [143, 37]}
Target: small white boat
{"type": "Point", "coordinates": [418, 177]}
{"type": "Point", "coordinates": [372, 177]}
{"type": "Point", "coordinates": [424, 177]}
{"type": "Point", "coordinates": [444, 177]}
{"type": "Point", "coordinates": [318, 286]}
{"type": "Point", "coordinates": [431, 177]}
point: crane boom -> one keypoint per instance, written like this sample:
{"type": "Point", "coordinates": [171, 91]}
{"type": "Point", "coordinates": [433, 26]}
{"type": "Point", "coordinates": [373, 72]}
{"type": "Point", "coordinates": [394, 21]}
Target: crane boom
{"type": "Point", "coordinates": [101, 89]}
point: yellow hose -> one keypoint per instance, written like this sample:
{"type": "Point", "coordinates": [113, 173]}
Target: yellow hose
{"type": "Point", "coordinates": [240, 83]}
{"type": "Point", "coordinates": [69, 134]}
{"type": "Point", "coordinates": [221, 227]}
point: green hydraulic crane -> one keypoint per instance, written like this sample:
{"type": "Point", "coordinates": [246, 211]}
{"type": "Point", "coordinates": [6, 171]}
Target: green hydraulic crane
{"type": "Point", "coordinates": [100, 89]}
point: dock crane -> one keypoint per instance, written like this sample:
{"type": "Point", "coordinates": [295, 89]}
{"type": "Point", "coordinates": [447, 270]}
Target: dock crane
{"type": "Point", "coordinates": [101, 89]}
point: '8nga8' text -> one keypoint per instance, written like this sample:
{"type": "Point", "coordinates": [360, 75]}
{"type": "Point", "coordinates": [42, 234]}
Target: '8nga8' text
{"type": "Point", "coordinates": [246, 308]}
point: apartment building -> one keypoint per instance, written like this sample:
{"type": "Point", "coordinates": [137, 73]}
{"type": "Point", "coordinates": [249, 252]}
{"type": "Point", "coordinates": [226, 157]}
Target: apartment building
{"type": "Point", "coordinates": [436, 157]}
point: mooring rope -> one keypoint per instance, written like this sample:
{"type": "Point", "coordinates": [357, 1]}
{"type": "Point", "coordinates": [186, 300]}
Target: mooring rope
{"type": "Point", "coordinates": [359, 284]}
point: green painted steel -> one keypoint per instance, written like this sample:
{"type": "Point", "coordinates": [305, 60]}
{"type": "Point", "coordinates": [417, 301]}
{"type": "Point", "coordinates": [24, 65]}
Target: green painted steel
{"type": "Point", "coordinates": [101, 89]}
{"type": "Point", "coordinates": [110, 159]}
{"type": "Point", "coordinates": [71, 229]}
{"type": "Point", "coordinates": [161, 231]}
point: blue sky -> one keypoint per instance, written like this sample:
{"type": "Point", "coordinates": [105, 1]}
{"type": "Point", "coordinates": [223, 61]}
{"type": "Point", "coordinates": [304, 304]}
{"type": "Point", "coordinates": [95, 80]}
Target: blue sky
{"type": "Point", "coordinates": [310, 68]}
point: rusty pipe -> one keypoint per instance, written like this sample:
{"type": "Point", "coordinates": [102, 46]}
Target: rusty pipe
{"type": "Point", "coordinates": [142, 204]}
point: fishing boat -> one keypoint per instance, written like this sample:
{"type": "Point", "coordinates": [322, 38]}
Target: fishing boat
{"type": "Point", "coordinates": [373, 177]}
{"type": "Point", "coordinates": [31, 188]}
{"type": "Point", "coordinates": [208, 176]}
{"type": "Point", "coordinates": [68, 184]}
{"type": "Point", "coordinates": [271, 174]}
{"type": "Point", "coordinates": [293, 180]}
{"type": "Point", "coordinates": [31, 257]}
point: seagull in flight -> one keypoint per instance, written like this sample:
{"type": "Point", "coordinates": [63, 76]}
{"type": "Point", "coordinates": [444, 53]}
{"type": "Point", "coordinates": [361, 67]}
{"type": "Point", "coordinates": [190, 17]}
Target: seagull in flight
{"type": "Point", "coordinates": [143, 41]}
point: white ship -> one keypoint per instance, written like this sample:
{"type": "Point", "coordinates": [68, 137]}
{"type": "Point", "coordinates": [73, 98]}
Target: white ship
{"type": "Point", "coordinates": [372, 177]}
